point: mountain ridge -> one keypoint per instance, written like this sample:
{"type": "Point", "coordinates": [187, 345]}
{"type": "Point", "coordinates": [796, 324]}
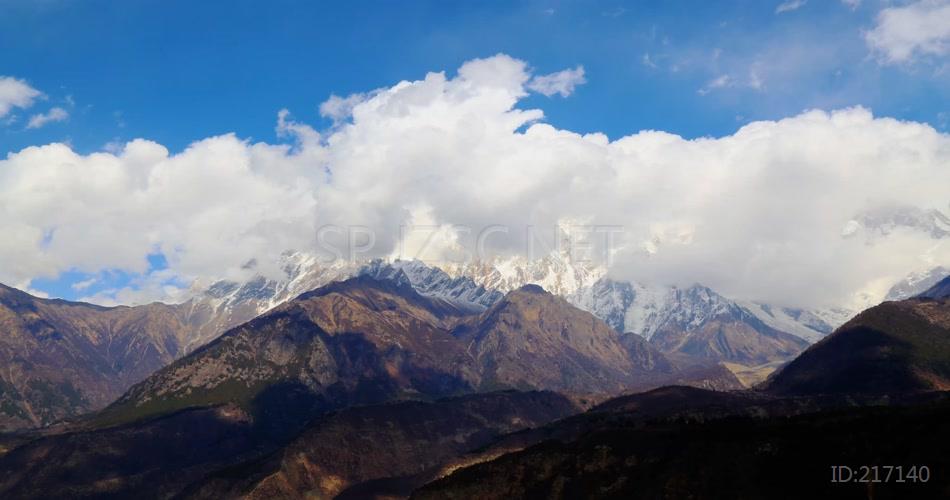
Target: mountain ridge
{"type": "Point", "coordinates": [893, 347]}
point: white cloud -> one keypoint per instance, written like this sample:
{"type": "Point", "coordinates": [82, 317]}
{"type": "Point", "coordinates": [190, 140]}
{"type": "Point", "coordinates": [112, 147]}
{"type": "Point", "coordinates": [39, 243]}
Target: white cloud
{"type": "Point", "coordinates": [905, 33]}
{"type": "Point", "coordinates": [16, 94]}
{"type": "Point", "coordinates": [562, 82]}
{"type": "Point", "coordinates": [789, 6]}
{"type": "Point", "coordinates": [286, 127]}
{"type": "Point", "coordinates": [852, 4]}
{"type": "Point", "coordinates": [53, 115]}
{"type": "Point", "coordinates": [720, 82]}
{"type": "Point", "coordinates": [756, 214]}
{"type": "Point", "coordinates": [83, 285]}
{"type": "Point", "coordinates": [339, 108]}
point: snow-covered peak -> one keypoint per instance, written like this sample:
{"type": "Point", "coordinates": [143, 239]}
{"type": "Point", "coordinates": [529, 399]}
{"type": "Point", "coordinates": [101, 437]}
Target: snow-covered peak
{"type": "Point", "coordinates": [556, 273]}
{"type": "Point", "coordinates": [917, 283]}
{"type": "Point", "coordinates": [301, 272]}
{"type": "Point", "coordinates": [810, 325]}
{"type": "Point", "coordinates": [882, 222]}
{"type": "Point", "coordinates": [607, 299]}
{"type": "Point", "coordinates": [644, 309]}
{"type": "Point", "coordinates": [433, 282]}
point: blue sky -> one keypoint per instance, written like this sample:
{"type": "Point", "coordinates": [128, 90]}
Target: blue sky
{"type": "Point", "coordinates": [177, 72]}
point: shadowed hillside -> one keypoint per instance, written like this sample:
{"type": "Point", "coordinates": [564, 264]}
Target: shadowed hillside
{"type": "Point", "coordinates": [895, 347]}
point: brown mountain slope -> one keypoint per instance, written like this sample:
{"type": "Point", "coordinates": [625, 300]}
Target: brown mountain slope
{"type": "Point", "coordinates": [383, 450]}
{"type": "Point", "coordinates": [532, 339]}
{"type": "Point", "coordinates": [59, 359]}
{"type": "Point", "coordinates": [358, 341]}
{"type": "Point", "coordinates": [699, 323]}
{"type": "Point", "coordinates": [894, 347]}
{"type": "Point", "coordinates": [221, 453]}
{"type": "Point", "coordinates": [728, 340]}
{"type": "Point", "coordinates": [367, 341]}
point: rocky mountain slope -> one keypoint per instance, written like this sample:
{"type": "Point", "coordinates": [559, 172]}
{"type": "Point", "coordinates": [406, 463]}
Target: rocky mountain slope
{"type": "Point", "coordinates": [226, 304]}
{"type": "Point", "coordinates": [894, 347]}
{"type": "Point", "coordinates": [721, 330]}
{"type": "Point", "coordinates": [695, 320]}
{"type": "Point", "coordinates": [59, 359]}
{"type": "Point", "coordinates": [217, 307]}
{"type": "Point", "coordinates": [358, 341]}
{"type": "Point", "coordinates": [534, 339]}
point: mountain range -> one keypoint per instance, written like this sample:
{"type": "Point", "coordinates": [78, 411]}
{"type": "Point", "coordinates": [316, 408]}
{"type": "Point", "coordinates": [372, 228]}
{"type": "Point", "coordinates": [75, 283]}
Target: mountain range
{"type": "Point", "coordinates": [258, 388]}
{"type": "Point", "coordinates": [376, 386]}
{"type": "Point", "coordinates": [365, 341]}
{"type": "Point", "coordinates": [873, 392]}
{"type": "Point", "coordinates": [106, 350]}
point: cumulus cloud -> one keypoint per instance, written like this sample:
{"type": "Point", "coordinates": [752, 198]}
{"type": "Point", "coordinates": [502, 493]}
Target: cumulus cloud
{"type": "Point", "coordinates": [209, 209]}
{"type": "Point", "coordinates": [339, 108]}
{"type": "Point", "coordinates": [562, 82]}
{"type": "Point", "coordinates": [56, 114]}
{"type": "Point", "coordinates": [757, 214]}
{"type": "Point", "coordinates": [902, 34]}
{"type": "Point", "coordinates": [789, 6]}
{"type": "Point", "coordinates": [16, 93]}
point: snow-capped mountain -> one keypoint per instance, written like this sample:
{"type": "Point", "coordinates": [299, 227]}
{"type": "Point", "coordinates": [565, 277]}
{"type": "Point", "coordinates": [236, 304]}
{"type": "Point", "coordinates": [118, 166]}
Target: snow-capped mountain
{"type": "Point", "coordinates": [433, 282]}
{"type": "Point", "coordinates": [643, 309]}
{"type": "Point", "coordinates": [225, 304]}
{"type": "Point", "coordinates": [917, 283]}
{"type": "Point", "coordinates": [810, 325]}
{"type": "Point", "coordinates": [625, 306]}
{"type": "Point", "coordinates": [555, 272]}
{"type": "Point", "coordinates": [882, 222]}
{"type": "Point", "coordinates": [607, 299]}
